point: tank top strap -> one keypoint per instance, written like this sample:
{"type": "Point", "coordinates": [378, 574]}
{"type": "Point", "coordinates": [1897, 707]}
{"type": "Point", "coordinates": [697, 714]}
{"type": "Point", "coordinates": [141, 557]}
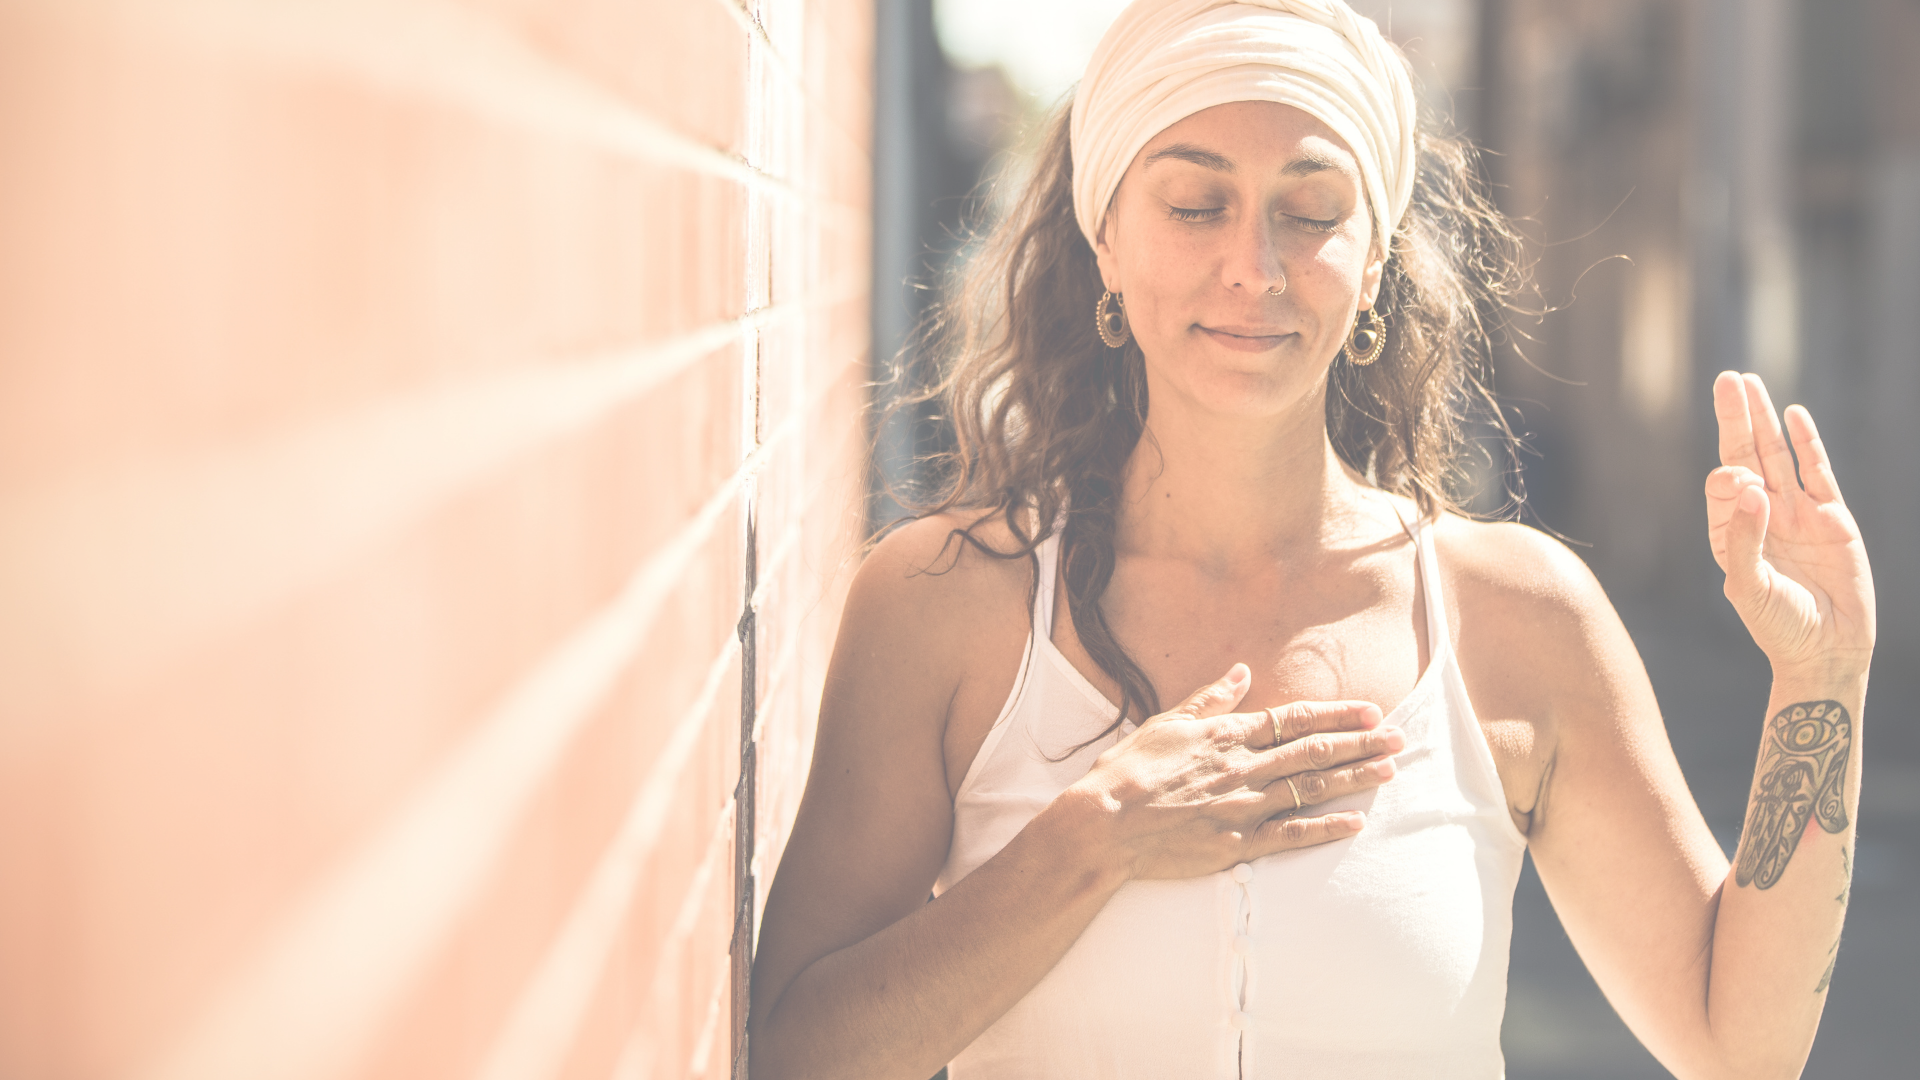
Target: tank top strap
{"type": "Point", "coordinates": [1427, 569]}
{"type": "Point", "coordinates": [1439, 640]}
{"type": "Point", "coordinates": [1047, 560]}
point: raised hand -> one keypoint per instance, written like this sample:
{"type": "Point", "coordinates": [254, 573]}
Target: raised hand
{"type": "Point", "coordinates": [1198, 788]}
{"type": "Point", "coordinates": [1796, 569]}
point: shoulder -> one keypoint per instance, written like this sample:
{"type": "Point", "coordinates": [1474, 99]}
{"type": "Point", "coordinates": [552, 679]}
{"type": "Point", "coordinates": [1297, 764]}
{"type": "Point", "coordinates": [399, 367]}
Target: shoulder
{"type": "Point", "coordinates": [1545, 659]}
{"type": "Point", "coordinates": [1536, 632]}
{"type": "Point", "coordinates": [1502, 568]}
{"type": "Point", "coordinates": [1515, 571]}
{"type": "Point", "coordinates": [1538, 638]}
{"type": "Point", "coordinates": [953, 561]}
{"type": "Point", "coordinates": [876, 821]}
{"type": "Point", "coordinates": [932, 630]}
{"type": "Point", "coordinates": [934, 587]}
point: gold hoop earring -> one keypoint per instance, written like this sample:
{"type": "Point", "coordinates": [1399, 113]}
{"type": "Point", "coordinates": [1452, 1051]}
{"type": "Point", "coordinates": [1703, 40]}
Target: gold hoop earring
{"type": "Point", "coordinates": [1112, 321]}
{"type": "Point", "coordinates": [1367, 342]}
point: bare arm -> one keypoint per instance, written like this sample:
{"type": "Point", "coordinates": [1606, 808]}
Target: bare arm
{"type": "Point", "coordinates": [857, 974]}
{"type": "Point", "coordinates": [1798, 575]}
{"type": "Point", "coordinates": [1722, 970]}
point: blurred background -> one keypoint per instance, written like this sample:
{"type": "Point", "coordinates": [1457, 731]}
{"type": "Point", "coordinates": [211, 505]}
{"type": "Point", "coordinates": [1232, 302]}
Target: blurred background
{"type": "Point", "coordinates": [1707, 184]}
{"type": "Point", "coordinates": [433, 450]}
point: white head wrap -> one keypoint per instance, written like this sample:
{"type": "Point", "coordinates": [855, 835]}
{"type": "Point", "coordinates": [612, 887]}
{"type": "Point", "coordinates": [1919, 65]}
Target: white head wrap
{"type": "Point", "coordinates": [1164, 60]}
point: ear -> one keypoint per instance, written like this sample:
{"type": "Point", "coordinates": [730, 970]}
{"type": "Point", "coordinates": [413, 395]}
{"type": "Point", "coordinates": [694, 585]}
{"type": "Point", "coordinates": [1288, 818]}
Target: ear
{"type": "Point", "coordinates": [1104, 256]}
{"type": "Point", "coordinates": [1370, 277]}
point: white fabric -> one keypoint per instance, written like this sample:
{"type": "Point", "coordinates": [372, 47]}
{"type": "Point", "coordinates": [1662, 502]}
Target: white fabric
{"type": "Point", "coordinates": [1381, 957]}
{"type": "Point", "coordinates": [1164, 60]}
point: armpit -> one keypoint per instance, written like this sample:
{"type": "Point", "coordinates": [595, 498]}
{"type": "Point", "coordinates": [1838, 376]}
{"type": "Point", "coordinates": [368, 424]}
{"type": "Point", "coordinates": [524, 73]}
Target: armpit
{"type": "Point", "coordinates": [1524, 760]}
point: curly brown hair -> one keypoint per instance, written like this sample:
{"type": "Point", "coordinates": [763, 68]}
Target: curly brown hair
{"type": "Point", "coordinates": [1044, 416]}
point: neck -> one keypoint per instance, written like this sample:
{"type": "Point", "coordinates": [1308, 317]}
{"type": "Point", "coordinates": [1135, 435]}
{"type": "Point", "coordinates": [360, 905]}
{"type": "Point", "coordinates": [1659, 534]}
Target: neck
{"type": "Point", "coordinates": [1233, 491]}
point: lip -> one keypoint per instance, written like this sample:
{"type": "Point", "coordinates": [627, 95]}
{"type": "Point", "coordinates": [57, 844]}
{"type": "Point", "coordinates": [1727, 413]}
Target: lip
{"type": "Point", "coordinates": [1245, 338]}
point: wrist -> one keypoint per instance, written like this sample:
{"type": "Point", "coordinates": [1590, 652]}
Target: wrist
{"type": "Point", "coordinates": [1831, 676]}
{"type": "Point", "coordinates": [1079, 827]}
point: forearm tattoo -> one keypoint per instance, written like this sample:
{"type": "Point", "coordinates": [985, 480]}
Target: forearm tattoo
{"type": "Point", "coordinates": [1803, 773]}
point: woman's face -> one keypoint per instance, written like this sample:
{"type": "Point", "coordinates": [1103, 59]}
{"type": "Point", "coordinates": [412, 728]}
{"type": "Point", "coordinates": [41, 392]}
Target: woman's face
{"type": "Point", "coordinates": [1215, 211]}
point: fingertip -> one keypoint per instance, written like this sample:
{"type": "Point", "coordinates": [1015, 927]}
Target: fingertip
{"type": "Point", "coordinates": [1761, 401]}
{"type": "Point", "coordinates": [1352, 820]}
{"type": "Point", "coordinates": [1370, 715]}
{"type": "Point", "coordinates": [1238, 676]}
{"type": "Point", "coordinates": [1731, 386]}
{"type": "Point", "coordinates": [1752, 499]}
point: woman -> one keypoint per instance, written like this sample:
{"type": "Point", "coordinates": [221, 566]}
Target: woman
{"type": "Point", "coordinates": [1306, 867]}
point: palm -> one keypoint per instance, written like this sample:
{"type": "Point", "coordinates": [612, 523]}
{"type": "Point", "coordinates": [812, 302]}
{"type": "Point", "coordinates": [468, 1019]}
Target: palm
{"type": "Point", "coordinates": [1796, 570]}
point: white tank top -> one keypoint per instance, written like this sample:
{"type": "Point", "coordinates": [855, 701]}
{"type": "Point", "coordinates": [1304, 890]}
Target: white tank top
{"type": "Point", "coordinates": [1380, 957]}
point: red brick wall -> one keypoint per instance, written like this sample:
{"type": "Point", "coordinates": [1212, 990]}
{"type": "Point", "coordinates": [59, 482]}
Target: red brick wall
{"type": "Point", "coordinates": [396, 400]}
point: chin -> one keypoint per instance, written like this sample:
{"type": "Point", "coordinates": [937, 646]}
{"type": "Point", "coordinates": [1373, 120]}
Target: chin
{"type": "Point", "coordinates": [1230, 386]}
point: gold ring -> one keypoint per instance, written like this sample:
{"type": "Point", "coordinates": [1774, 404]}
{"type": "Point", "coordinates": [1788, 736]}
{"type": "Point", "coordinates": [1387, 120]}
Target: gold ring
{"type": "Point", "coordinates": [1273, 714]}
{"type": "Point", "coordinates": [1296, 793]}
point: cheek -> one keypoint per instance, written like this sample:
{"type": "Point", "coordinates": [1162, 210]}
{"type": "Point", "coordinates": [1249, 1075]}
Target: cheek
{"type": "Point", "coordinates": [1156, 247]}
{"type": "Point", "coordinates": [1337, 263]}
{"type": "Point", "coordinates": [1167, 266]}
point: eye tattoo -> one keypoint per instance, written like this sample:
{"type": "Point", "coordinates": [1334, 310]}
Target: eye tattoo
{"type": "Point", "coordinates": [1802, 775]}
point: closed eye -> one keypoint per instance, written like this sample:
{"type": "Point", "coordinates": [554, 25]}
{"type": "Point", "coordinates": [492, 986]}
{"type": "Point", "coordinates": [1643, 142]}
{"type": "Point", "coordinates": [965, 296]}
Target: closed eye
{"type": "Point", "coordinates": [1315, 224]}
{"type": "Point", "coordinates": [1181, 213]}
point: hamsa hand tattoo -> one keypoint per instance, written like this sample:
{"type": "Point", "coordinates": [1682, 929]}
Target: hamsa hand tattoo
{"type": "Point", "coordinates": [1802, 776]}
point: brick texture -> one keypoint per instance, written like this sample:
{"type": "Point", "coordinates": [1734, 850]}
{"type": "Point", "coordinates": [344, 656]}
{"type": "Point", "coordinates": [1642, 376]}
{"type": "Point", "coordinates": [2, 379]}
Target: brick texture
{"type": "Point", "coordinates": [431, 448]}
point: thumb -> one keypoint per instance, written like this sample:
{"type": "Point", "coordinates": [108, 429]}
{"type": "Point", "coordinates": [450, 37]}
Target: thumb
{"type": "Point", "coordinates": [1218, 696]}
{"type": "Point", "coordinates": [1746, 534]}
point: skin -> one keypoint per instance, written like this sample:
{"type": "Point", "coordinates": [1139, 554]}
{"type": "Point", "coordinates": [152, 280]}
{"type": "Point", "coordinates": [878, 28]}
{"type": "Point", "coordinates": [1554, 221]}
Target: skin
{"type": "Point", "coordinates": [1245, 546]}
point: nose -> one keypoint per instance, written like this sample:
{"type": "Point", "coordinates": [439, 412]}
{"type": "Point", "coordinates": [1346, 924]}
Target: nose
{"type": "Point", "coordinates": [1253, 265]}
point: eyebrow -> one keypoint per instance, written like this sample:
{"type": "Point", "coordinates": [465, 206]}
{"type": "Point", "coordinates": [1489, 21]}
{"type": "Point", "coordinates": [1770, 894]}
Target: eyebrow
{"type": "Point", "coordinates": [1206, 159]}
{"type": "Point", "coordinates": [1307, 164]}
